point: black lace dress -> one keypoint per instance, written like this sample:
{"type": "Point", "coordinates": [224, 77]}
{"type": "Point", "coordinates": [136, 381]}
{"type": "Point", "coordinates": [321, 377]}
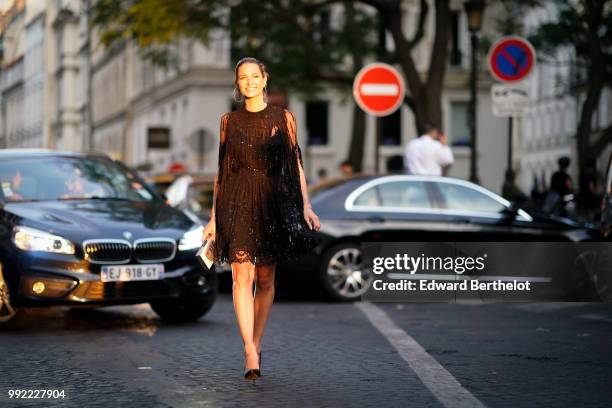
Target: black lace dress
{"type": "Point", "coordinates": [259, 210]}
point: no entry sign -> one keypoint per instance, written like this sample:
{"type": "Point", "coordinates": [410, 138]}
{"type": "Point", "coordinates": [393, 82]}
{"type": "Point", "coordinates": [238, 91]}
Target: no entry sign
{"type": "Point", "coordinates": [378, 89]}
{"type": "Point", "coordinates": [511, 59]}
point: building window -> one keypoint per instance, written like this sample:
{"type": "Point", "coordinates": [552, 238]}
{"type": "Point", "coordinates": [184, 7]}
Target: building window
{"type": "Point", "coordinates": [317, 113]}
{"type": "Point", "coordinates": [158, 138]}
{"type": "Point", "coordinates": [454, 43]}
{"type": "Point", "coordinates": [459, 130]}
{"type": "Point", "coordinates": [392, 129]}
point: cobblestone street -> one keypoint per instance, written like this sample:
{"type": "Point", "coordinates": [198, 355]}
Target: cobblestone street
{"type": "Point", "coordinates": [318, 354]}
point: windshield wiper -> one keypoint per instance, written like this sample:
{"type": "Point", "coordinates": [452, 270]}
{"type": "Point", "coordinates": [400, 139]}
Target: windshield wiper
{"type": "Point", "coordinates": [92, 198]}
{"type": "Point", "coordinates": [109, 198]}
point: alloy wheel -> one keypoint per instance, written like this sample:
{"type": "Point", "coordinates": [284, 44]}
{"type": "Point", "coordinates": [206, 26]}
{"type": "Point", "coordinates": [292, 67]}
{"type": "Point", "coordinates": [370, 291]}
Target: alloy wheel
{"type": "Point", "coordinates": [346, 274]}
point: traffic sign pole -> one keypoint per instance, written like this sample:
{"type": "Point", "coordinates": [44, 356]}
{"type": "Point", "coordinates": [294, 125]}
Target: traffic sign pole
{"type": "Point", "coordinates": [511, 59]}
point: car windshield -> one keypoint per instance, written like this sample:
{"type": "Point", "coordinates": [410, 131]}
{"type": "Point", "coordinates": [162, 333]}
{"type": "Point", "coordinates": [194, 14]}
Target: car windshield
{"type": "Point", "coordinates": [68, 178]}
{"type": "Point", "coordinates": [326, 185]}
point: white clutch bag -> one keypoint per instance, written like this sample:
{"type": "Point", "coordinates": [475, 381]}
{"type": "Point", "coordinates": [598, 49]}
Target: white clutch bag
{"type": "Point", "coordinates": [205, 255]}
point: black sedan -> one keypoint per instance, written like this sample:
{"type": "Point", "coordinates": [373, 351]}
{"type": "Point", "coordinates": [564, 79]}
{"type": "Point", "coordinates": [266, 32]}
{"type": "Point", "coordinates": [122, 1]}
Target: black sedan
{"type": "Point", "coordinates": [80, 229]}
{"type": "Point", "coordinates": [411, 209]}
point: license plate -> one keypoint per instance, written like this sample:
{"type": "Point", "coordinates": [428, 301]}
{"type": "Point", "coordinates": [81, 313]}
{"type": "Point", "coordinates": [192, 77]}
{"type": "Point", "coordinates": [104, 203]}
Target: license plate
{"type": "Point", "coordinates": [124, 273]}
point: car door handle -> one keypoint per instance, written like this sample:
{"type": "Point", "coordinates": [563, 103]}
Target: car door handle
{"type": "Point", "coordinates": [376, 219]}
{"type": "Point", "coordinates": [462, 220]}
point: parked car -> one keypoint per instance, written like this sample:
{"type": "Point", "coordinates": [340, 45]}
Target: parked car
{"type": "Point", "coordinates": [82, 229]}
{"type": "Point", "coordinates": [193, 194]}
{"type": "Point", "coordinates": [161, 182]}
{"type": "Point", "coordinates": [411, 208]}
{"type": "Point", "coordinates": [597, 263]}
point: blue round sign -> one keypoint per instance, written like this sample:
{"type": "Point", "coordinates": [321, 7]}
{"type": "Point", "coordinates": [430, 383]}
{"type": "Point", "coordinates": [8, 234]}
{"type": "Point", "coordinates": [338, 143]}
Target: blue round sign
{"type": "Point", "coordinates": [511, 59]}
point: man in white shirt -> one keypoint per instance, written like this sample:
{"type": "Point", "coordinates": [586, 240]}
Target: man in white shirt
{"type": "Point", "coordinates": [428, 154]}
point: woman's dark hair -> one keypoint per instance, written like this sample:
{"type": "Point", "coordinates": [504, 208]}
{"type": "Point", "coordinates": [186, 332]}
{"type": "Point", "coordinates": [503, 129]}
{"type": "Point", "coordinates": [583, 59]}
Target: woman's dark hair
{"type": "Point", "coordinates": [252, 60]}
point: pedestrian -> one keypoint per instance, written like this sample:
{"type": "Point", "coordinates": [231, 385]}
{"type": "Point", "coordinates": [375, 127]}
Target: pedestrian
{"type": "Point", "coordinates": [589, 199]}
{"type": "Point", "coordinates": [346, 168]}
{"type": "Point", "coordinates": [261, 212]}
{"type": "Point", "coordinates": [560, 198]}
{"type": "Point", "coordinates": [561, 181]}
{"type": "Point", "coordinates": [395, 164]}
{"type": "Point", "coordinates": [429, 153]}
{"type": "Point", "coordinates": [512, 192]}
{"type": "Point", "coordinates": [321, 175]}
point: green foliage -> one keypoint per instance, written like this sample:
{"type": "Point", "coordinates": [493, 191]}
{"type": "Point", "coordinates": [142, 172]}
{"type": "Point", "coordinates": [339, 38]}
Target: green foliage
{"type": "Point", "coordinates": [156, 25]}
{"type": "Point", "coordinates": [297, 40]}
{"type": "Point", "coordinates": [299, 45]}
{"type": "Point", "coordinates": [571, 28]}
{"type": "Point", "coordinates": [155, 22]}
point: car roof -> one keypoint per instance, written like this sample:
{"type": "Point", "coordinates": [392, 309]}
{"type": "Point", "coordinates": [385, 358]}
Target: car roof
{"type": "Point", "coordinates": [337, 181]}
{"type": "Point", "coordinates": [25, 153]}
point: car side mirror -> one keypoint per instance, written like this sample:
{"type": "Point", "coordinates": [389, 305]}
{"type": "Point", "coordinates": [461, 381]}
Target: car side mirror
{"type": "Point", "coordinates": [511, 211]}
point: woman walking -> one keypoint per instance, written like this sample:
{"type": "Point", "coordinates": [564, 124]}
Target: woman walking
{"type": "Point", "coordinates": [261, 212]}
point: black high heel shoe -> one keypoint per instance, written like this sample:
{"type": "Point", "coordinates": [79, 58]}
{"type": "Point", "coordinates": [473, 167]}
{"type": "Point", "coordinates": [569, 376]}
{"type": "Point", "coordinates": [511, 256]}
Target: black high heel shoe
{"type": "Point", "coordinates": [251, 374]}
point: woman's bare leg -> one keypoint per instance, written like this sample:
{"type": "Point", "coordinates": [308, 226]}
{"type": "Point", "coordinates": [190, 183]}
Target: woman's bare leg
{"type": "Point", "coordinates": [243, 275]}
{"type": "Point", "coordinates": [264, 297]}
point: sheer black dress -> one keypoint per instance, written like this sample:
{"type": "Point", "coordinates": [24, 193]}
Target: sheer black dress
{"type": "Point", "coordinates": [259, 210]}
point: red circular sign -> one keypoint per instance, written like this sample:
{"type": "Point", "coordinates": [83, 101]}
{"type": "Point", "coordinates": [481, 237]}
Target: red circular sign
{"type": "Point", "coordinates": [511, 59]}
{"type": "Point", "coordinates": [378, 89]}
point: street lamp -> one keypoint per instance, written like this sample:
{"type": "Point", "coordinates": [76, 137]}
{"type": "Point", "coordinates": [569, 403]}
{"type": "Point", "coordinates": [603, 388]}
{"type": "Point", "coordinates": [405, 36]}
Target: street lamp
{"type": "Point", "coordinates": [474, 10]}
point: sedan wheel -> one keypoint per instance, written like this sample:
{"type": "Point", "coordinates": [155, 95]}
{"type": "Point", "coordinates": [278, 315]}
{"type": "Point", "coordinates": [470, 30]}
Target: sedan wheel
{"type": "Point", "coordinates": [7, 312]}
{"type": "Point", "coordinates": [343, 274]}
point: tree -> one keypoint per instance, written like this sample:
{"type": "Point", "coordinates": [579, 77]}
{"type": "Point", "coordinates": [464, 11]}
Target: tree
{"type": "Point", "coordinates": [585, 26]}
{"type": "Point", "coordinates": [304, 51]}
{"type": "Point", "coordinates": [274, 31]}
{"type": "Point", "coordinates": [425, 96]}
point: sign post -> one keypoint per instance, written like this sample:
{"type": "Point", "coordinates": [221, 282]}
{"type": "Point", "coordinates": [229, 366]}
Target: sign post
{"type": "Point", "coordinates": [379, 90]}
{"type": "Point", "coordinates": [511, 59]}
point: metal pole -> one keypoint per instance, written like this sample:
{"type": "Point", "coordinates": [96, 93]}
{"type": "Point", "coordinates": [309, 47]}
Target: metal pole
{"type": "Point", "coordinates": [472, 114]}
{"type": "Point", "coordinates": [510, 143]}
{"type": "Point", "coordinates": [382, 51]}
{"type": "Point", "coordinates": [89, 102]}
{"type": "Point", "coordinates": [201, 136]}
{"type": "Point", "coordinates": [379, 123]}
{"type": "Point", "coordinates": [3, 131]}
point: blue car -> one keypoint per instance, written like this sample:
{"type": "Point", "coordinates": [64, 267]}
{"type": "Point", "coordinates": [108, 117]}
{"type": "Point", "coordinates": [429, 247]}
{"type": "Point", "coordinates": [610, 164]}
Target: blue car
{"type": "Point", "coordinates": [82, 229]}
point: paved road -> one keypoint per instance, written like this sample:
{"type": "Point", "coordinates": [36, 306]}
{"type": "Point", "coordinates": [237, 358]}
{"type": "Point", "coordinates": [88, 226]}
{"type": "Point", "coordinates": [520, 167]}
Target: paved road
{"type": "Point", "coordinates": [318, 354]}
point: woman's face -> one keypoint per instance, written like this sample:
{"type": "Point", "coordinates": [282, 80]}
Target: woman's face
{"type": "Point", "coordinates": [251, 81]}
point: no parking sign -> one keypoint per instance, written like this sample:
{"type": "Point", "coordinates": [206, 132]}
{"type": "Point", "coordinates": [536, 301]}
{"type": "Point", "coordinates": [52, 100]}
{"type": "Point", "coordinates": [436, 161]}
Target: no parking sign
{"type": "Point", "coordinates": [511, 59]}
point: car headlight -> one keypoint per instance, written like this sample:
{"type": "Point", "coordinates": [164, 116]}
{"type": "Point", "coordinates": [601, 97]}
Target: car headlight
{"type": "Point", "coordinates": [30, 239]}
{"type": "Point", "coordinates": [192, 239]}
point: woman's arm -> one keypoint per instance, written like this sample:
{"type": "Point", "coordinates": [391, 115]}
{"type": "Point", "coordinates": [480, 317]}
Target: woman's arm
{"type": "Point", "coordinates": [222, 132]}
{"type": "Point", "coordinates": [309, 215]}
{"type": "Point", "coordinates": [304, 188]}
{"type": "Point", "coordinates": [292, 126]}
